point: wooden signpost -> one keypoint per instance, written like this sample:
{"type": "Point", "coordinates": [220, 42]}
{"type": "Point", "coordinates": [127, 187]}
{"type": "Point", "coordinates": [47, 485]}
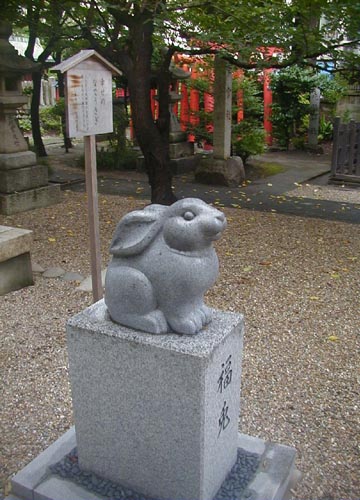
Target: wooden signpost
{"type": "Point", "coordinates": [88, 97]}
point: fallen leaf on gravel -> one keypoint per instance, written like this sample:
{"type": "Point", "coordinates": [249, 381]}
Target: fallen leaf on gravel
{"type": "Point", "coordinates": [335, 275]}
{"type": "Point", "coordinates": [265, 263]}
{"type": "Point", "coordinates": [314, 297]}
{"type": "Point", "coordinates": [247, 269]}
{"type": "Point", "coordinates": [333, 338]}
{"type": "Point", "coordinates": [52, 240]}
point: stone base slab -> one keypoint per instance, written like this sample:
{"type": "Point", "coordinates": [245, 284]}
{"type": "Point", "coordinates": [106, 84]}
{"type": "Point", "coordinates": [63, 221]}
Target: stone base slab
{"type": "Point", "coordinates": [217, 171]}
{"type": "Point", "coordinates": [178, 166]}
{"type": "Point", "coordinates": [275, 476]}
{"type": "Point", "coordinates": [184, 165]}
{"type": "Point", "coordinates": [181, 149]}
{"type": "Point", "coordinates": [28, 200]}
{"type": "Point", "coordinates": [22, 179]}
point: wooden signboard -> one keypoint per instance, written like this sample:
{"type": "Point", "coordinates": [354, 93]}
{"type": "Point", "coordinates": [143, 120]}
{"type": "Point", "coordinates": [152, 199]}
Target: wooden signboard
{"type": "Point", "coordinates": [88, 91]}
{"type": "Point", "coordinates": [89, 100]}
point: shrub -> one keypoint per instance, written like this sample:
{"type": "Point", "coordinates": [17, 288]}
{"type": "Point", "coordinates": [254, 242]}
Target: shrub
{"type": "Point", "coordinates": [109, 159]}
{"type": "Point", "coordinates": [50, 120]}
{"type": "Point", "coordinates": [250, 140]}
{"type": "Point", "coordinates": [292, 87]}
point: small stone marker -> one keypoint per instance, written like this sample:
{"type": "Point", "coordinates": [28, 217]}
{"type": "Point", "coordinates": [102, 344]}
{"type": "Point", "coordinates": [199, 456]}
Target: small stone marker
{"type": "Point", "coordinates": [88, 85]}
{"type": "Point", "coordinates": [314, 117]}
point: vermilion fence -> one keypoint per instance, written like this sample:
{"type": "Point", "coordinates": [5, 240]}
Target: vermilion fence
{"type": "Point", "coordinates": [188, 108]}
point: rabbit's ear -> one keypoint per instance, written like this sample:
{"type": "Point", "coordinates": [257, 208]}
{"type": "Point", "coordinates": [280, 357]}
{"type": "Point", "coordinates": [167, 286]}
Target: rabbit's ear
{"type": "Point", "coordinates": [135, 231]}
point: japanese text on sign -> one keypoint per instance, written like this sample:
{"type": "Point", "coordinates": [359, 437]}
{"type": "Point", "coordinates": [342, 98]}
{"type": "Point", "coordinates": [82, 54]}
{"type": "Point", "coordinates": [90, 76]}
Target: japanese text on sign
{"type": "Point", "coordinates": [89, 98]}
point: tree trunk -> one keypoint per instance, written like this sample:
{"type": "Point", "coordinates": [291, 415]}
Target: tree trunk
{"type": "Point", "coordinates": [153, 138]}
{"type": "Point", "coordinates": [67, 140]}
{"type": "Point", "coordinates": [35, 116]}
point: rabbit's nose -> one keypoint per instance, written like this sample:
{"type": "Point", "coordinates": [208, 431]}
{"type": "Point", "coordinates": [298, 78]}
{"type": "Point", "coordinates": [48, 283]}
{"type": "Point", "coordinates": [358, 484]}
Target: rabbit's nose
{"type": "Point", "coordinates": [220, 221]}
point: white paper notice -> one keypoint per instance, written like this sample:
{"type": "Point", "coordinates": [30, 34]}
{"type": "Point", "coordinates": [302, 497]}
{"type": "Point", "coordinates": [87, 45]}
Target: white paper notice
{"type": "Point", "coordinates": [89, 102]}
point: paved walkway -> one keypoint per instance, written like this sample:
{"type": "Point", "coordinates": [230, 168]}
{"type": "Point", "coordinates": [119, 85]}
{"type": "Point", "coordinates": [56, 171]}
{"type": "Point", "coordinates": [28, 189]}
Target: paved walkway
{"type": "Point", "coordinates": [265, 194]}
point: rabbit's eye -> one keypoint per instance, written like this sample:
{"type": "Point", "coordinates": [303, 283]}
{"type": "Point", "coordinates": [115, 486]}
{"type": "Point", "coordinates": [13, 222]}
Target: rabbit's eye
{"type": "Point", "coordinates": [188, 216]}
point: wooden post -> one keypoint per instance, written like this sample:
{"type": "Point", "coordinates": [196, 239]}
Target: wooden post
{"type": "Point", "coordinates": [93, 214]}
{"type": "Point", "coordinates": [267, 106]}
{"type": "Point", "coordinates": [89, 111]}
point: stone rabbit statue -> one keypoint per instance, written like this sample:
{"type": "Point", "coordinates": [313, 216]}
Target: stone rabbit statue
{"type": "Point", "coordinates": [163, 263]}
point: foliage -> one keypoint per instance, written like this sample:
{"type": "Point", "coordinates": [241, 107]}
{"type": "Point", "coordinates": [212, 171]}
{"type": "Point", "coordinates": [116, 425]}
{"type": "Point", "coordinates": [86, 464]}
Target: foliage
{"type": "Point", "coordinates": [109, 159]}
{"type": "Point", "coordinates": [50, 120]}
{"type": "Point", "coordinates": [292, 87]}
{"type": "Point", "coordinates": [249, 140]}
{"type": "Point", "coordinates": [248, 136]}
{"type": "Point", "coordinates": [24, 122]}
{"type": "Point", "coordinates": [325, 129]}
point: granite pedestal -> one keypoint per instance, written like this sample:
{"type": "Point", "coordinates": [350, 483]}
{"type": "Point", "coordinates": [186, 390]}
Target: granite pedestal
{"type": "Point", "coordinates": [156, 413]}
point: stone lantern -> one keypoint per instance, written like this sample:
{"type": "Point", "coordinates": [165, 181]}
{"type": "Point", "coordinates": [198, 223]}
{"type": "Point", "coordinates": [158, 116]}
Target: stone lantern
{"type": "Point", "coordinates": [23, 184]}
{"type": "Point", "coordinates": [181, 151]}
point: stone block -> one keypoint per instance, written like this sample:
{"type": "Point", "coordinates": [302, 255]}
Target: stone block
{"type": "Point", "coordinates": [15, 263]}
{"type": "Point", "coordinates": [14, 241]}
{"type": "Point", "coordinates": [181, 149]}
{"type": "Point", "coordinates": [28, 200]}
{"type": "Point", "coordinates": [24, 178]}
{"type": "Point", "coordinates": [224, 172]}
{"type": "Point", "coordinates": [184, 165]}
{"type": "Point", "coordinates": [9, 161]}
{"type": "Point", "coordinates": [156, 413]}
{"type": "Point", "coordinates": [15, 273]}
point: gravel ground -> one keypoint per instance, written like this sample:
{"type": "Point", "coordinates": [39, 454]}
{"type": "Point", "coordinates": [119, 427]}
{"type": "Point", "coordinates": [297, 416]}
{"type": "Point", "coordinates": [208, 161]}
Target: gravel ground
{"type": "Point", "coordinates": [333, 193]}
{"type": "Point", "coordinates": [297, 282]}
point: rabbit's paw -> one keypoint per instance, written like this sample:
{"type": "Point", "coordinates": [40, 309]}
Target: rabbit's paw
{"type": "Point", "coordinates": [153, 322]}
{"type": "Point", "coordinates": [190, 323]}
{"type": "Point", "coordinates": [206, 314]}
{"type": "Point", "coordinates": [156, 322]}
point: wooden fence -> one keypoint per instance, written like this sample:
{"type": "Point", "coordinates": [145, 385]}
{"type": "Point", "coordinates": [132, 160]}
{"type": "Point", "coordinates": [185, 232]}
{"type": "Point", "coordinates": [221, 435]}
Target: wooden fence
{"type": "Point", "coordinates": [345, 163]}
